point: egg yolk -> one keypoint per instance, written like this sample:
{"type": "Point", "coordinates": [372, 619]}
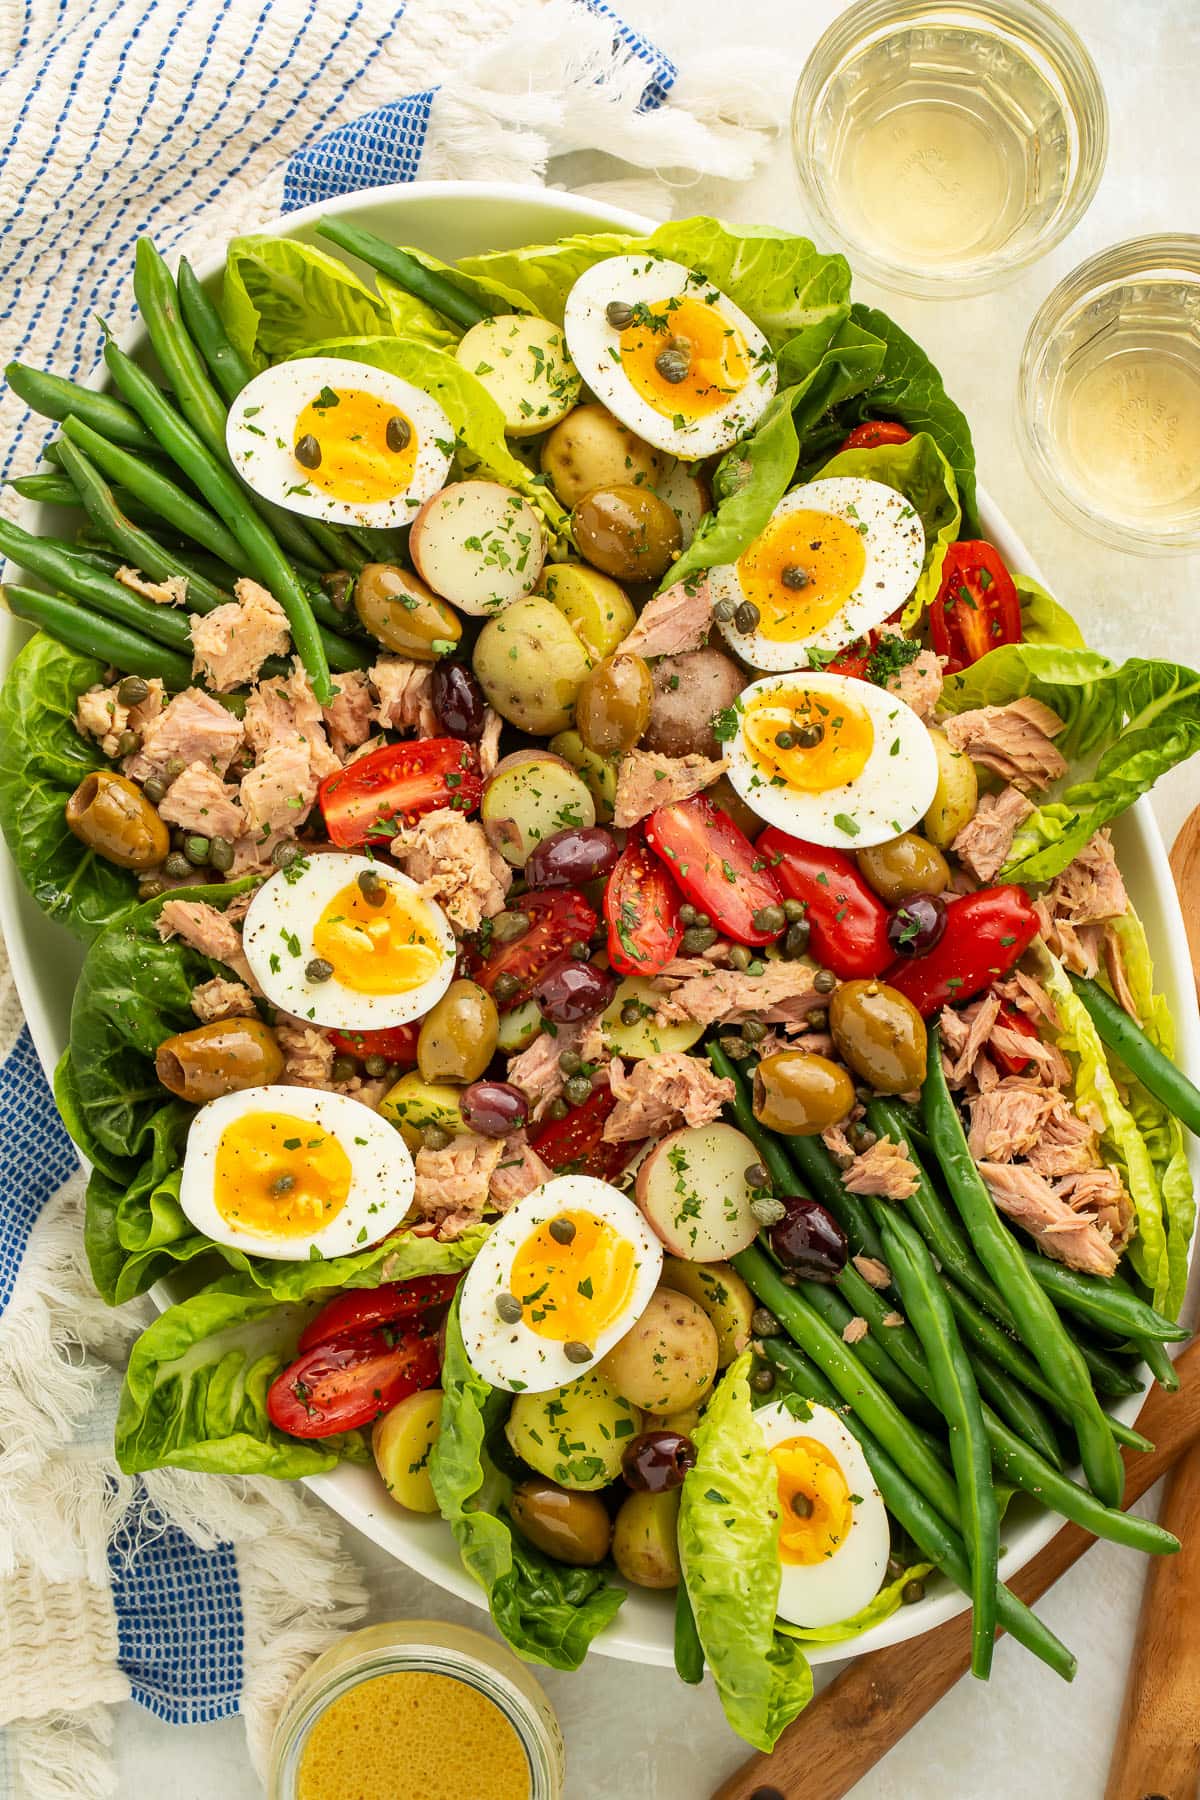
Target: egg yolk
{"type": "Point", "coordinates": [808, 739]}
{"type": "Point", "coordinates": [693, 338]}
{"type": "Point", "coordinates": [574, 1289]}
{"type": "Point", "coordinates": [800, 572]}
{"type": "Point", "coordinates": [384, 949]}
{"type": "Point", "coordinates": [815, 1508]}
{"type": "Point", "coordinates": [357, 461]}
{"type": "Point", "coordinates": [279, 1174]}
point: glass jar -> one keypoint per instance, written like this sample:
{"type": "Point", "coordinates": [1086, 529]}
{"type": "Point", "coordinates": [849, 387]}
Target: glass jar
{"type": "Point", "coordinates": [430, 1648]}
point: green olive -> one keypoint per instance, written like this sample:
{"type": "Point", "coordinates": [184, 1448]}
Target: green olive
{"type": "Point", "coordinates": [798, 1092]}
{"type": "Point", "coordinates": [113, 817]}
{"type": "Point", "coordinates": [405, 615]}
{"type": "Point", "coordinates": [222, 1057]}
{"type": "Point", "coordinates": [613, 705]}
{"type": "Point", "coordinates": [904, 866]}
{"type": "Point", "coordinates": [626, 532]}
{"type": "Point", "coordinates": [645, 1546]}
{"type": "Point", "coordinates": [572, 1528]}
{"type": "Point", "coordinates": [881, 1035]}
{"type": "Point", "coordinates": [458, 1036]}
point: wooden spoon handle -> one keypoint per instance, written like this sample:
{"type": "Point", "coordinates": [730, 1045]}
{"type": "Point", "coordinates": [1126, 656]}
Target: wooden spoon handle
{"type": "Point", "coordinates": [879, 1697]}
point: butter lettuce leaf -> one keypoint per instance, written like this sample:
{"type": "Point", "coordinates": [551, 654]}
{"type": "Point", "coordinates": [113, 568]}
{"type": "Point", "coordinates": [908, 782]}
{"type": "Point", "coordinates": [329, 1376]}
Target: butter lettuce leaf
{"type": "Point", "coordinates": [1043, 620]}
{"type": "Point", "coordinates": [281, 297]}
{"type": "Point", "coordinates": [729, 1549]}
{"type": "Point", "coordinates": [918, 470]}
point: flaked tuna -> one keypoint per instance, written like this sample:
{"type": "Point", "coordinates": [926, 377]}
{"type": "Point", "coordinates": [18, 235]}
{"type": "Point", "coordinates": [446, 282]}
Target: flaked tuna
{"type": "Point", "coordinates": [646, 781]}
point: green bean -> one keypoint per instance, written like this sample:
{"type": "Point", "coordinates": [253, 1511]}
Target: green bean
{"type": "Point", "coordinates": [1039, 1325]}
{"type": "Point", "coordinates": [1016, 1405]}
{"type": "Point", "coordinates": [55, 398]}
{"type": "Point", "coordinates": [1159, 1364]}
{"type": "Point", "coordinates": [1106, 1373]}
{"type": "Point", "coordinates": [909, 1506]}
{"type": "Point", "coordinates": [222, 492]}
{"type": "Point", "coordinates": [135, 544]}
{"type": "Point", "coordinates": [163, 496]}
{"type": "Point", "coordinates": [1103, 1301]}
{"type": "Point", "coordinates": [1018, 1463]}
{"type": "Point", "coordinates": [824, 1179]}
{"type": "Point", "coordinates": [105, 559]}
{"type": "Point", "coordinates": [93, 635]}
{"type": "Point", "coordinates": [96, 590]}
{"type": "Point", "coordinates": [1156, 1072]}
{"type": "Point", "coordinates": [957, 1395]}
{"type": "Point", "coordinates": [689, 1652]}
{"type": "Point", "coordinates": [424, 284]}
{"type": "Point", "coordinates": [832, 1308]}
{"type": "Point", "coordinates": [46, 487]}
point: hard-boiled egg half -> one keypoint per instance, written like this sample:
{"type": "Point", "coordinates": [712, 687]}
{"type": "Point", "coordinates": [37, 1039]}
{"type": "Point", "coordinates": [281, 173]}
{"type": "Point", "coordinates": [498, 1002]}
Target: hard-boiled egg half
{"type": "Point", "coordinates": [831, 759]}
{"type": "Point", "coordinates": [834, 1539]}
{"type": "Point", "coordinates": [563, 1275]}
{"type": "Point", "coordinates": [834, 560]}
{"type": "Point", "coordinates": [348, 942]}
{"type": "Point", "coordinates": [673, 358]}
{"type": "Point", "coordinates": [339, 440]}
{"type": "Point", "coordinates": [286, 1172]}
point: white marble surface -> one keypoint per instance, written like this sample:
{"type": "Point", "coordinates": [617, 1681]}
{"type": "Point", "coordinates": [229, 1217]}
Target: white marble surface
{"type": "Point", "coordinates": [637, 1734]}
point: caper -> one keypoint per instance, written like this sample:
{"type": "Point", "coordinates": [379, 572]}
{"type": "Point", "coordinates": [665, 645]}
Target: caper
{"type": "Point", "coordinates": [619, 314]}
{"type": "Point", "coordinates": [177, 866]}
{"type": "Point", "coordinates": [558, 1108]}
{"type": "Point", "coordinates": [796, 942]}
{"type": "Point", "coordinates": [785, 740]}
{"type": "Point", "coordinates": [739, 957]}
{"type": "Point", "coordinates": [509, 1308]}
{"type": "Point", "coordinates": [398, 434]}
{"type": "Point", "coordinates": [810, 735]}
{"type": "Point", "coordinates": [764, 1323]}
{"type": "Point", "coordinates": [371, 887]}
{"type": "Point", "coordinates": [697, 939]}
{"type": "Point", "coordinates": [824, 981]}
{"type": "Point", "coordinates": [154, 789]}
{"type": "Point", "coordinates": [507, 926]}
{"type": "Point", "coordinates": [128, 742]}
{"type": "Point", "coordinates": [687, 913]}
{"type": "Point", "coordinates": [793, 910]}
{"type": "Point", "coordinates": [576, 1352]}
{"type": "Point", "coordinates": [285, 854]}
{"type": "Point", "coordinates": [505, 987]}
{"type": "Point", "coordinates": [794, 577]}
{"type": "Point", "coordinates": [735, 1047]}
{"type": "Point", "coordinates": [580, 952]}
{"type": "Point", "coordinates": [308, 451]}
{"type": "Point", "coordinates": [283, 1184]}
{"type": "Point", "coordinates": [220, 854]}
{"type": "Point", "coordinates": [756, 966]}
{"type": "Point", "coordinates": [631, 1012]}
{"type": "Point", "coordinates": [861, 1136]}
{"type": "Point", "coordinates": [754, 1031]}
{"type": "Point", "coordinates": [756, 1176]}
{"type": "Point", "coordinates": [379, 1065]}
{"type": "Point", "coordinates": [432, 1136]}
{"type": "Point", "coordinates": [318, 969]}
{"type": "Point", "coordinates": [763, 1381]}
{"type": "Point", "coordinates": [578, 1088]}
{"type": "Point", "coordinates": [196, 849]}
{"type": "Point", "coordinates": [802, 1506]}
{"type": "Point", "coordinates": [562, 1231]}
{"type": "Point", "coordinates": [132, 690]}
{"type": "Point", "coordinates": [174, 769]}
{"type": "Point", "coordinates": [570, 1062]}
{"type": "Point", "coordinates": [701, 918]}
{"type": "Point", "coordinates": [746, 616]}
{"type": "Point", "coordinates": [911, 1592]}
{"type": "Point", "coordinates": [150, 887]}
{"type": "Point", "coordinates": [339, 585]}
{"type": "Point", "coordinates": [673, 365]}
{"type": "Point", "coordinates": [344, 1068]}
{"type": "Point", "coordinates": [769, 918]}
{"type": "Point", "coordinates": [767, 1210]}
{"type": "Point", "coordinates": [723, 610]}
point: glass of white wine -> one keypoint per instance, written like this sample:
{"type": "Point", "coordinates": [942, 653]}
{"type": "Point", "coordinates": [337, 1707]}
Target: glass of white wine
{"type": "Point", "coordinates": [948, 145]}
{"type": "Point", "coordinates": [1109, 395]}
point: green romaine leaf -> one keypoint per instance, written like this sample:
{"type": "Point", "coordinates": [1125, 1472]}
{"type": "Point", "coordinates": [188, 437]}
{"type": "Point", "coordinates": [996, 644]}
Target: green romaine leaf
{"type": "Point", "coordinates": [919, 471]}
{"type": "Point", "coordinates": [281, 297]}
{"type": "Point", "coordinates": [729, 1549]}
{"type": "Point", "coordinates": [547, 1612]}
{"type": "Point", "coordinates": [886, 1602]}
{"type": "Point", "coordinates": [1043, 620]}
{"type": "Point", "coordinates": [42, 761]}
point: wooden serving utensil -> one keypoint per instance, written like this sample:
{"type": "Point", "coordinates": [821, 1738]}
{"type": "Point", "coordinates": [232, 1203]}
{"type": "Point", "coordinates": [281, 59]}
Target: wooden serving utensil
{"type": "Point", "coordinates": [879, 1697]}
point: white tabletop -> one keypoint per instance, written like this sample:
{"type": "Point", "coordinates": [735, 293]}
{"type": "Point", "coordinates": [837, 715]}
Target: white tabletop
{"type": "Point", "coordinates": [638, 1734]}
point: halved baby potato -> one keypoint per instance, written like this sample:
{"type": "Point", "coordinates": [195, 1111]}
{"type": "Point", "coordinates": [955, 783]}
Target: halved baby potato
{"type": "Point", "coordinates": [598, 610]}
{"type": "Point", "coordinates": [530, 796]}
{"type": "Point", "coordinates": [600, 772]}
{"type": "Point", "coordinates": [693, 1191]}
{"type": "Point", "coordinates": [401, 1442]}
{"type": "Point", "coordinates": [722, 1294]}
{"type": "Point", "coordinates": [479, 545]}
{"type": "Point", "coordinates": [519, 1027]}
{"type": "Point", "coordinates": [524, 364]}
{"type": "Point", "coordinates": [413, 1103]}
{"type": "Point", "coordinates": [643, 1037]}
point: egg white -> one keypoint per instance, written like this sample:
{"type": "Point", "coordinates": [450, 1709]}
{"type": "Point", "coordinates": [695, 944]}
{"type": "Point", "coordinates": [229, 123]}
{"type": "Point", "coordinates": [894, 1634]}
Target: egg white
{"type": "Point", "coordinates": [893, 539]}
{"type": "Point", "coordinates": [894, 790]}
{"type": "Point", "coordinates": [593, 344]}
{"type": "Point", "coordinates": [381, 1179]}
{"type": "Point", "coordinates": [260, 436]}
{"type": "Point", "coordinates": [513, 1356]}
{"type": "Point", "coordinates": [278, 940]}
{"type": "Point", "coordinates": [839, 1586]}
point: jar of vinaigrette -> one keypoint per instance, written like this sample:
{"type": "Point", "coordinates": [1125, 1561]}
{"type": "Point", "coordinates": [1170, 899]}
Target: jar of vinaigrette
{"type": "Point", "coordinates": [417, 1710]}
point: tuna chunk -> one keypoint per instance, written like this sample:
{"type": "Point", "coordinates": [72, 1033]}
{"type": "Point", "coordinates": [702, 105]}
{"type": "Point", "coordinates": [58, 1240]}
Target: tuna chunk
{"type": "Point", "coordinates": [453, 1185]}
{"type": "Point", "coordinates": [885, 1169]}
{"type": "Point", "coordinates": [307, 1052]}
{"type": "Point", "coordinates": [1028, 995]}
{"type": "Point", "coordinates": [1006, 1119]}
{"type": "Point", "coordinates": [535, 1070]}
{"type": "Point", "coordinates": [172, 592]}
{"type": "Point", "coordinates": [674, 621]}
{"type": "Point", "coordinates": [855, 1330]}
{"type": "Point", "coordinates": [450, 857]}
{"type": "Point", "coordinates": [278, 792]}
{"type": "Point", "coordinates": [221, 999]}
{"type": "Point", "coordinates": [100, 715]}
{"type": "Point", "coordinates": [1016, 741]}
{"type": "Point", "coordinates": [646, 781]}
{"type": "Point", "coordinates": [874, 1272]}
{"type": "Point", "coordinates": [984, 842]}
{"type": "Point", "coordinates": [198, 800]}
{"type": "Point", "coordinates": [207, 930]}
{"type": "Point", "coordinates": [919, 683]}
{"type": "Point", "coordinates": [1090, 889]}
{"type": "Point", "coordinates": [965, 1035]}
{"type": "Point", "coordinates": [1065, 1145]}
{"type": "Point", "coordinates": [231, 643]}
{"type": "Point", "coordinates": [1100, 1192]}
{"type": "Point", "coordinates": [518, 1172]}
{"type": "Point", "coordinates": [1027, 1198]}
{"type": "Point", "coordinates": [284, 710]}
{"type": "Point", "coordinates": [1114, 962]}
{"type": "Point", "coordinates": [661, 1093]}
{"type": "Point", "coordinates": [782, 995]}
{"type": "Point", "coordinates": [405, 691]}
{"type": "Point", "coordinates": [349, 719]}
{"type": "Point", "coordinates": [489, 743]}
{"type": "Point", "coordinates": [192, 728]}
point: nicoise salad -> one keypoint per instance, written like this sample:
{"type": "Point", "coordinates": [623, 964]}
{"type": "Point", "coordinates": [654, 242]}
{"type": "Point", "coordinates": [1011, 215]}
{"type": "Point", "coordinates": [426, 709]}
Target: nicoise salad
{"type": "Point", "coordinates": [609, 985]}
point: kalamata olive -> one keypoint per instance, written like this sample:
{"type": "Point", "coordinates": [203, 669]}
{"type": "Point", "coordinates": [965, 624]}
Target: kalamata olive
{"type": "Point", "coordinates": [880, 1033]}
{"type": "Point", "coordinates": [916, 927]}
{"type": "Point", "coordinates": [572, 857]}
{"type": "Point", "coordinates": [493, 1108]}
{"type": "Point", "coordinates": [612, 708]}
{"type": "Point", "coordinates": [404, 614]}
{"type": "Point", "coordinates": [801, 1093]}
{"type": "Point", "coordinates": [458, 701]}
{"type": "Point", "coordinates": [223, 1057]}
{"type": "Point", "coordinates": [111, 816]}
{"type": "Point", "coordinates": [657, 1460]}
{"type": "Point", "coordinates": [569, 991]}
{"type": "Point", "coordinates": [573, 1528]}
{"type": "Point", "coordinates": [626, 532]}
{"type": "Point", "coordinates": [458, 1034]}
{"type": "Point", "coordinates": [809, 1240]}
{"type": "Point", "coordinates": [904, 865]}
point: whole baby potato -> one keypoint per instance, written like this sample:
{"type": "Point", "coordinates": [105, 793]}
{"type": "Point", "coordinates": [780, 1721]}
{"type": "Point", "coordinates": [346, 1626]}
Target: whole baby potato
{"type": "Point", "coordinates": [590, 448]}
{"type": "Point", "coordinates": [573, 1435]}
{"type": "Point", "coordinates": [531, 665]}
{"type": "Point", "coordinates": [645, 1546]}
{"type": "Point", "coordinates": [720, 1291]}
{"type": "Point", "coordinates": [689, 691]}
{"type": "Point", "coordinates": [669, 1359]}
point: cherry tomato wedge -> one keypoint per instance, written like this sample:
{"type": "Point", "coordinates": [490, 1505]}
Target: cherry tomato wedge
{"type": "Point", "coordinates": [641, 910]}
{"type": "Point", "coordinates": [1008, 1062]}
{"type": "Point", "coordinates": [397, 1042]}
{"type": "Point", "coordinates": [985, 934]}
{"type": "Point", "coordinates": [874, 432]}
{"type": "Point", "coordinates": [575, 1145]}
{"type": "Point", "coordinates": [716, 866]}
{"type": "Point", "coordinates": [362, 1309]}
{"type": "Point", "coordinates": [364, 802]}
{"type": "Point", "coordinates": [561, 917]}
{"type": "Point", "coordinates": [977, 607]}
{"type": "Point", "coordinates": [847, 920]}
{"type": "Point", "coordinates": [349, 1381]}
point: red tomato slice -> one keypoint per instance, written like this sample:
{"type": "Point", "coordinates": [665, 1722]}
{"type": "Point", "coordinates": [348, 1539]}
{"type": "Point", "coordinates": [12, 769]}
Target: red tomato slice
{"type": "Point", "coordinates": [394, 785]}
{"type": "Point", "coordinates": [1014, 1020]}
{"type": "Point", "coordinates": [977, 607]}
{"type": "Point", "coordinates": [561, 917]}
{"type": "Point", "coordinates": [848, 922]}
{"type": "Point", "coordinates": [874, 432]}
{"type": "Point", "coordinates": [350, 1381]}
{"type": "Point", "coordinates": [716, 866]}
{"type": "Point", "coordinates": [397, 1042]}
{"type": "Point", "coordinates": [575, 1145]}
{"type": "Point", "coordinates": [363, 1309]}
{"type": "Point", "coordinates": [641, 910]}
